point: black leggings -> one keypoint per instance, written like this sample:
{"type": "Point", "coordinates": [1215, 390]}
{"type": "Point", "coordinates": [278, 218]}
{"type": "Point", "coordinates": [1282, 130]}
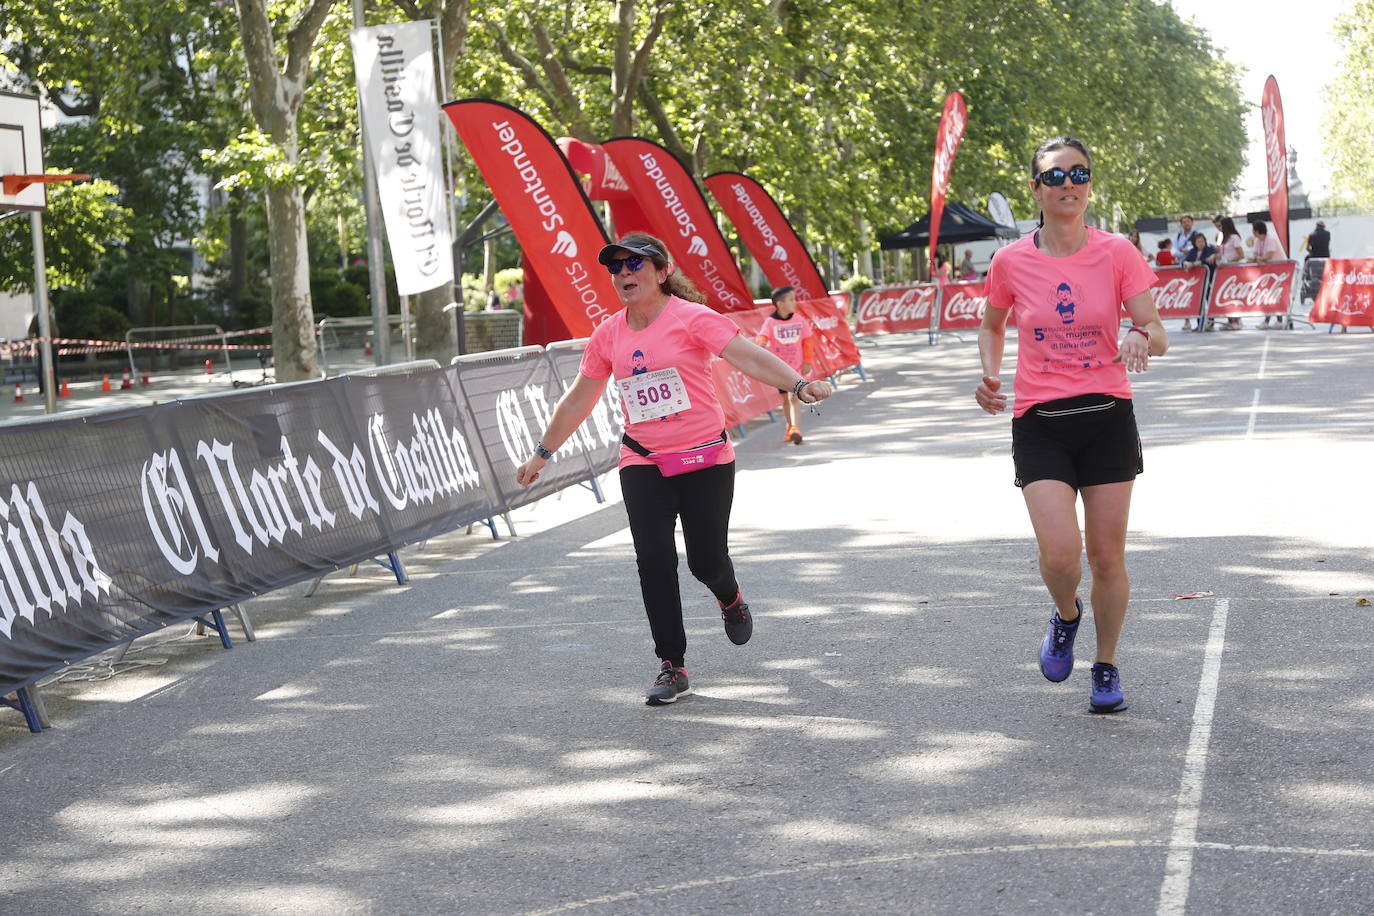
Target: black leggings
{"type": "Point", "coordinates": [654, 503]}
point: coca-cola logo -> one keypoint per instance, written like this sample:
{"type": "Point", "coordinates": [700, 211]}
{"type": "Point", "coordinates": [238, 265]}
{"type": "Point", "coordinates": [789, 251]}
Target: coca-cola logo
{"type": "Point", "coordinates": [1353, 303]}
{"type": "Point", "coordinates": [1265, 289]}
{"type": "Point", "coordinates": [911, 303]}
{"type": "Point", "coordinates": [962, 304]}
{"type": "Point", "coordinates": [1274, 155]}
{"type": "Point", "coordinates": [952, 132]}
{"type": "Point", "coordinates": [1179, 294]}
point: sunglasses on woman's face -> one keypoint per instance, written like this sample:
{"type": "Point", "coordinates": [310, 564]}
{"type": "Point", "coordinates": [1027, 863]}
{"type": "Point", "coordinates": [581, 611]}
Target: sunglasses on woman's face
{"type": "Point", "coordinates": [632, 263]}
{"type": "Point", "coordinates": [1079, 174]}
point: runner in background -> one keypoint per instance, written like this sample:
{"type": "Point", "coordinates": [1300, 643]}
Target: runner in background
{"type": "Point", "coordinates": [675, 459]}
{"type": "Point", "coordinates": [1073, 428]}
{"type": "Point", "coordinates": [791, 338]}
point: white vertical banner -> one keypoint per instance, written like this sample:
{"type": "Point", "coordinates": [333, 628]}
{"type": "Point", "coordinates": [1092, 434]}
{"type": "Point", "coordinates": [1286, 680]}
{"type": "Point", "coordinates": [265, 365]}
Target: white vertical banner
{"type": "Point", "coordinates": [401, 122]}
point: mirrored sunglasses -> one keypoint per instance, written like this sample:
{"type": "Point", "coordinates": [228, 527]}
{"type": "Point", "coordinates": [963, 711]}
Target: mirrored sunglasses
{"type": "Point", "coordinates": [632, 263]}
{"type": "Point", "coordinates": [1079, 174]}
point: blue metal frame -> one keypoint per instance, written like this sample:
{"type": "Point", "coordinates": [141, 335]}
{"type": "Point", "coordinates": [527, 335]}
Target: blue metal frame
{"type": "Point", "coordinates": [25, 706]}
{"type": "Point", "coordinates": [216, 623]}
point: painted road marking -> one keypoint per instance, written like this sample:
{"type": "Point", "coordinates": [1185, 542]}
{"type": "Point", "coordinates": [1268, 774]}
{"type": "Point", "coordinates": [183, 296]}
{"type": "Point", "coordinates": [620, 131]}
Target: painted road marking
{"type": "Point", "coordinates": [1178, 868]}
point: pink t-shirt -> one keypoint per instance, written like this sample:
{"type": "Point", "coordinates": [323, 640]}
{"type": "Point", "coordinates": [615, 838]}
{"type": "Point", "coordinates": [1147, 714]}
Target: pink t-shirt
{"type": "Point", "coordinates": [684, 337]}
{"type": "Point", "coordinates": [1068, 314]}
{"type": "Point", "coordinates": [1232, 249]}
{"type": "Point", "coordinates": [785, 336]}
{"type": "Point", "coordinates": [1267, 246]}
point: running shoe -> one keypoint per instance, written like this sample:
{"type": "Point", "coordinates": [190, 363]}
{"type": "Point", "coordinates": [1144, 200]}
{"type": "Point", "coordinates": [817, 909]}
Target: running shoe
{"type": "Point", "coordinates": [1107, 695]}
{"type": "Point", "coordinates": [1056, 650]}
{"type": "Point", "coordinates": [794, 435]}
{"type": "Point", "coordinates": [739, 626]}
{"type": "Point", "coordinates": [670, 684]}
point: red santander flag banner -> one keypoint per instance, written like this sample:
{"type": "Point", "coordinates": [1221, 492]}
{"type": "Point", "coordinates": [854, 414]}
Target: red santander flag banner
{"type": "Point", "coordinates": [674, 207]}
{"type": "Point", "coordinates": [952, 121]}
{"type": "Point", "coordinates": [1178, 291]}
{"type": "Point", "coordinates": [1252, 289]}
{"type": "Point", "coordinates": [1275, 158]}
{"type": "Point", "coordinates": [603, 179]}
{"type": "Point", "coordinates": [767, 233]}
{"type": "Point", "coordinates": [894, 309]}
{"type": "Point", "coordinates": [1347, 293]}
{"type": "Point", "coordinates": [543, 201]}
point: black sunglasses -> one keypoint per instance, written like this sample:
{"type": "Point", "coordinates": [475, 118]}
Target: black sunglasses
{"type": "Point", "coordinates": [632, 263]}
{"type": "Point", "coordinates": [1079, 174]}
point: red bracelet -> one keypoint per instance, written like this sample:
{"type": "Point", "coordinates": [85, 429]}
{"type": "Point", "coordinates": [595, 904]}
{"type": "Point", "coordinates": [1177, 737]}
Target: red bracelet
{"type": "Point", "coordinates": [1142, 331]}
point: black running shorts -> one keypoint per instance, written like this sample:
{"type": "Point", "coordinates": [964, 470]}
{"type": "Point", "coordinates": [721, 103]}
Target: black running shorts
{"type": "Point", "coordinates": [1084, 441]}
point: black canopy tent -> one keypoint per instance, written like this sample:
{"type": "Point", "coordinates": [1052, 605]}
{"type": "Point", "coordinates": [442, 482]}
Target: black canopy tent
{"type": "Point", "coordinates": [959, 223]}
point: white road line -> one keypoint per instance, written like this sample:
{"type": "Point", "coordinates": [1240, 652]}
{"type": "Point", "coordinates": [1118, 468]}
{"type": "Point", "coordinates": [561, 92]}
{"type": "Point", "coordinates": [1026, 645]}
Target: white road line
{"type": "Point", "coordinates": [1254, 412]}
{"type": "Point", "coordinates": [1264, 358]}
{"type": "Point", "coordinates": [1178, 868]}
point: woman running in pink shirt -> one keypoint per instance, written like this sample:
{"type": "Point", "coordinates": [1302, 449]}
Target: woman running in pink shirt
{"type": "Point", "coordinates": [1073, 426]}
{"type": "Point", "coordinates": [675, 459]}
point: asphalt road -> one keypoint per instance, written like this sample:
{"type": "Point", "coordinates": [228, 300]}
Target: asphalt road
{"type": "Point", "coordinates": [476, 742]}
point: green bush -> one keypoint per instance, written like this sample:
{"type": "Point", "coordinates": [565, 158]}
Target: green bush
{"type": "Point", "coordinates": [856, 284]}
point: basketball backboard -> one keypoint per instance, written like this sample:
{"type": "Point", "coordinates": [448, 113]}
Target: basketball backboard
{"type": "Point", "coordinates": [21, 150]}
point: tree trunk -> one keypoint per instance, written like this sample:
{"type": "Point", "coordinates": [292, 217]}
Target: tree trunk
{"type": "Point", "coordinates": [293, 330]}
{"type": "Point", "coordinates": [434, 332]}
{"type": "Point", "coordinates": [238, 249]}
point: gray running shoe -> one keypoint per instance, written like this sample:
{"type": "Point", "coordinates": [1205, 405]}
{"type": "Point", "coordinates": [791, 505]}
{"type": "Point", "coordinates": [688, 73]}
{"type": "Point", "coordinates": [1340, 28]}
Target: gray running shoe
{"type": "Point", "coordinates": [670, 684]}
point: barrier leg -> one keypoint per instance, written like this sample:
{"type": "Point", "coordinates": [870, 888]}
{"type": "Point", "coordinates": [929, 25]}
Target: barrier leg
{"type": "Point", "coordinates": [36, 701]}
{"type": "Point", "coordinates": [396, 566]}
{"type": "Point", "coordinates": [510, 525]}
{"type": "Point", "coordinates": [216, 623]}
{"type": "Point", "coordinates": [313, 585]}
{"type": "Point", "coordinates": [244, 622]}
{"type": "Point", "coordinates": [859, 367]}
{"type": "Point", "coordinates": [24, 705]}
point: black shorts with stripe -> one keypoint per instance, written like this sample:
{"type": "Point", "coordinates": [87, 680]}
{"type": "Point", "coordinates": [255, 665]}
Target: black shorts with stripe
{"type": "Point", "coordinates": [1084, 441]}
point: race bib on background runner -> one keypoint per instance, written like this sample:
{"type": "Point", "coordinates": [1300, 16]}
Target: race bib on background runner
{"type": "Point", "coordinates": [651, 395]}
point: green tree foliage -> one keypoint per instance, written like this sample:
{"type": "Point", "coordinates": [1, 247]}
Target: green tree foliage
{"type": "Point", "coordinates": [1350, 115]}
{"type": "Point", "coordinates": [83, 221]}
{"type": "Point", "coordinates": [832, 104]}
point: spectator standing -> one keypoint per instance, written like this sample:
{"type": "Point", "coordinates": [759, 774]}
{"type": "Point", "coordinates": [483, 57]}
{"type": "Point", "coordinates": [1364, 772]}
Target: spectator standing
{"type": "Point", "coordinates": [966, 269]}
{"type": "Point", "coordinates": [1183, 239]}
{"type": "Point", "coordinates": [1165, 256]}
{"type": "Point", "coordinates": [1318, 242]}
{"type": "Point", "coordinates": [1267, 248]}
{"type": "Point", "coordinates": [1134, 237]}
{"type": "Point", "coordinates": [1230, 250]}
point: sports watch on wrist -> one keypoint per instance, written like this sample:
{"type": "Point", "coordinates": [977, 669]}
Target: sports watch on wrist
{"type": "Point", "coordinates": [542, 452]}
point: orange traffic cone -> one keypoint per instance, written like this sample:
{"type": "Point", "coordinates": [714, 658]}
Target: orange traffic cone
{"type": "Point", "coordinates": [18, 393]}
{"type": "Point", "coordinates": [65, 391]}
{"type": "Point", "coordinates": [145, 380]}
{"type": "Point", "coordinates": [367, 347]}
{"type": "Point", "coordinates": [209, 370]}
{"type": "Point", "coordinates": [105, 383]}
{"type": "Point", "coordinates": [127, 382]}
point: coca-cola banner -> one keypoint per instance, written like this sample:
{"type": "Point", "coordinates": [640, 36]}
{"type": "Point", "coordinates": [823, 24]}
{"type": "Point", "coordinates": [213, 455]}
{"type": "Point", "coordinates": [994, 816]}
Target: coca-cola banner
{"type": "Point", "coordinates": [542, 200]}
{"type": "Point", "coordinates": [1346, 296]}
{"type": "Point", "coordinates": [1275, 158]}
{"type": "Point", "coordinates": [1178, 291]}
{"type": "Point", "coordinates": [767, 233]}
{"type": "Point", "coordinates": [964, 304]}
{"type": "Point", "coordinates": [1252, 289]}
{"type": "Point", "coordinates": [673, 204]}
{"type": "Point", "coordinates": [894, 309]}
{"type": "Point", "coordinates": [952, 121]}
{"type": "Point", "coordinates": [834, 345]}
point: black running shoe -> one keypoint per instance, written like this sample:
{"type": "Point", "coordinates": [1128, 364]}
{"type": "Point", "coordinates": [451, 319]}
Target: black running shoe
{"type": "Point", "coordinates": [670, 684]}
{"type": "Point", "coordinates": [739, 626]}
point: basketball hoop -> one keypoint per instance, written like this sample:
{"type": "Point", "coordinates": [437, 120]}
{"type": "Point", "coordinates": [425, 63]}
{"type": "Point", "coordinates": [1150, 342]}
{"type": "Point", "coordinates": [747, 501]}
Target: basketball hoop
{"type": "Point", "coordinates": [13, 184]}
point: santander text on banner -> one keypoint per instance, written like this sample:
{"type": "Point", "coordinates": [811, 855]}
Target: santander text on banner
{"type": "Point", "coordinates": [400, 112]}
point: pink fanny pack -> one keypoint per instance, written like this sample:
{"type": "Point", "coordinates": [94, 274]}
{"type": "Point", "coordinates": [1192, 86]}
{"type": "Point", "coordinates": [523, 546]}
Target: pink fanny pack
{"type": "Point", "coordinates": [671, 464]}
